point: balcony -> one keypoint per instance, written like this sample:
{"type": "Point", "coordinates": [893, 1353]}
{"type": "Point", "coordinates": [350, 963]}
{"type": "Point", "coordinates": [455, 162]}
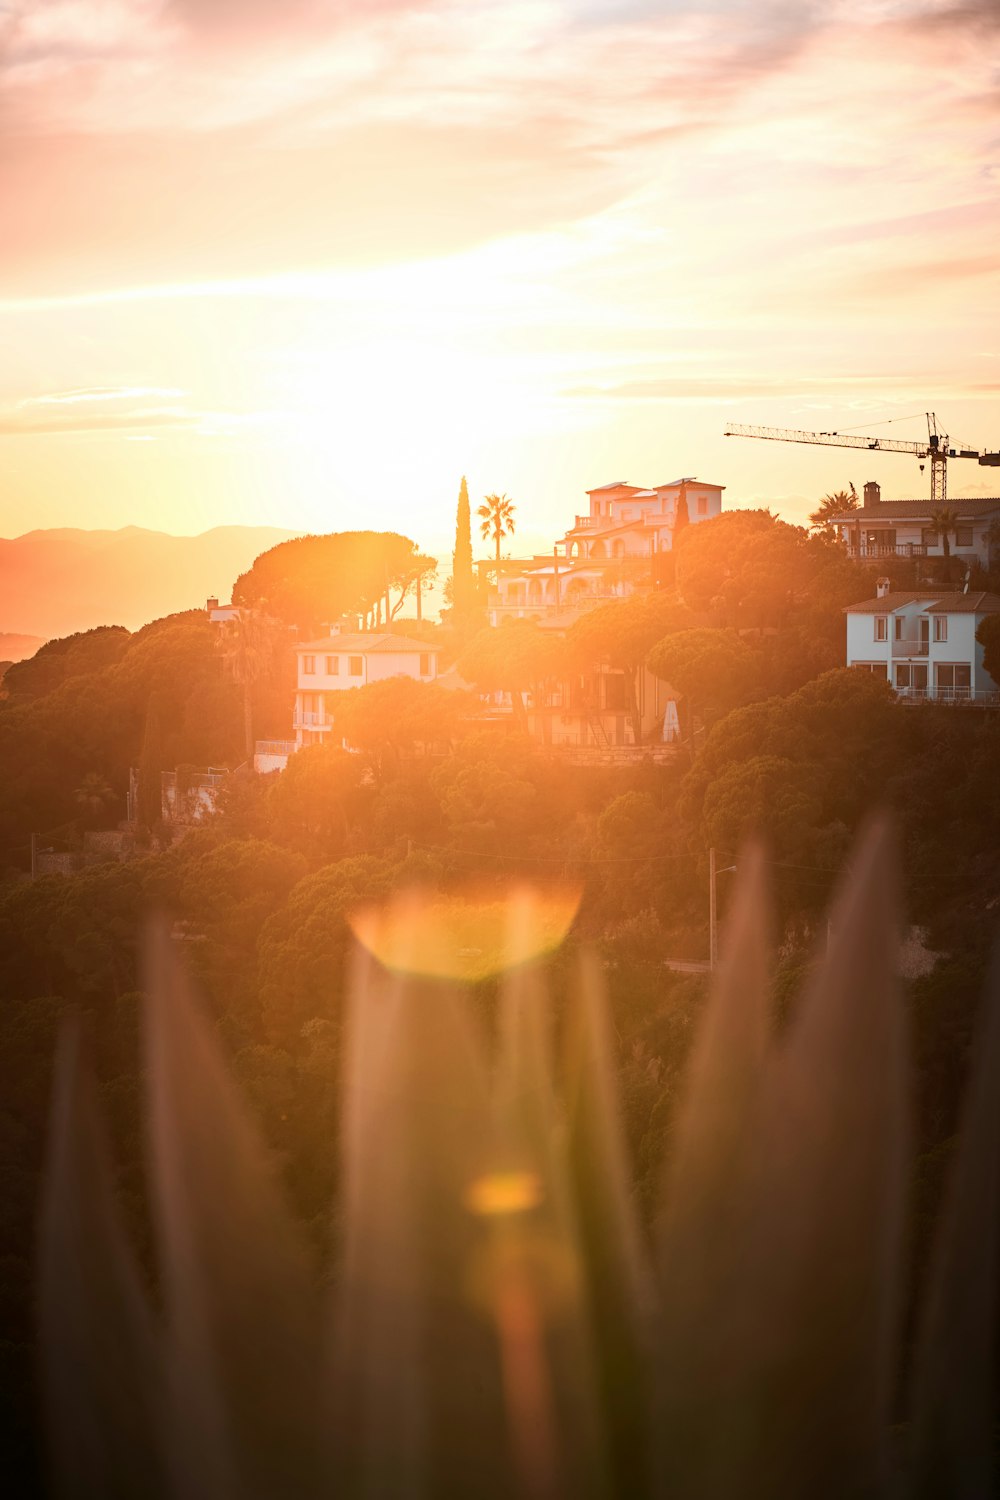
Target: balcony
{"type": "Point", "coordinates": [879, 549]}
{"type": "Point", "coordinates": [952, 695]}
{"type": "Point", "coordinates": [308, 719]}
{"type": "Point", "coordinates": [583, 521]}
{"type": "Point", "coordinates": [910, 646]}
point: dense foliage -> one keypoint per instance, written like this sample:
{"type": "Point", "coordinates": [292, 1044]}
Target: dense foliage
{"type": "Point", "coordinates": [790, 745]}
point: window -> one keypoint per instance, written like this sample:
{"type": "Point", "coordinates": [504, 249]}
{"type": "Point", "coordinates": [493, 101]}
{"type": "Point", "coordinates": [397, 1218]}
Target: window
{"type": "Point", "coordinates": [332, 666]}
{"type": "Point", "coordinates": [930, 537]}
{"type": "Point", "coordinates": [963, 536]}
{"type": "Point", "coordinates": [912, 677]}
{"type": "Point", "coordinates": [880, 668]}
{"type": "Point", "coordinates": [940, 627]}
{"type": "Point", "coordinates": [900, 622]}
{"type": "Point", "coordinates": [702, 506]}
{"type": "Point", "coordinates": [425, 665]}
{"type": "Point", "coordinates": [309, 664]}
{"type": "Point", "coordinates": [881, 628]}
{"type": "Point", "coordinates": [355, 666]}
{"type": "Point", "coordinates": [954, 679]}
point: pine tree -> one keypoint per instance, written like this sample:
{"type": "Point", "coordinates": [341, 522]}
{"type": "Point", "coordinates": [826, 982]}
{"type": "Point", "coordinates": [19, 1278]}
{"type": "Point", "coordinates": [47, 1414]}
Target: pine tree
{"type": "Point", "coordinates": [463, 579]}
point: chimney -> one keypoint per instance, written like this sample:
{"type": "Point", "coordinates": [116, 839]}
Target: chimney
{"type": "Point", "coordinates": [881, 584]}
{"type": "Point", "coordinates": [211, 604]}
{"type": "Point", "coordinates": [872, 494]}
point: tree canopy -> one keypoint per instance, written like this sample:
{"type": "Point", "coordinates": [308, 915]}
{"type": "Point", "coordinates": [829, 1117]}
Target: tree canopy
{"type": "Point", "coordinates": [311, 581]}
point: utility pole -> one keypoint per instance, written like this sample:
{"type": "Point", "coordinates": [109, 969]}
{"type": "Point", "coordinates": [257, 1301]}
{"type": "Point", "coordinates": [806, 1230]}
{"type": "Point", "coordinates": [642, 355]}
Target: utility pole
{"type": "Point", "coordinates": [713, 942]}
{"type": "Point", "coordinates": [713, 914]}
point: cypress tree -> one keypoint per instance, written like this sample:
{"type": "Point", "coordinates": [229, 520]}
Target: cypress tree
{"type": "Point", "coordinates": [463, 579]}
{"type": "Point", "coordinates": [150, 809]}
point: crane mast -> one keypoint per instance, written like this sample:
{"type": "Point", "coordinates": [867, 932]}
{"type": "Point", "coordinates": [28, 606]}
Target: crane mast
{"type": "Point", "coordinates": [936, 448]}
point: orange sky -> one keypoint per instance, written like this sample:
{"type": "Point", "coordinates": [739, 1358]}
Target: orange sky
{"type": "Point", "coordinates": [305, 262]}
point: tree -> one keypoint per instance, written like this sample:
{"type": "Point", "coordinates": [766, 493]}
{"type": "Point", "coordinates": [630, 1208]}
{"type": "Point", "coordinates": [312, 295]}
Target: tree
{"type": "Point", "coordinates": [394, 716]}
{"type": "Point", "coordinates": [943, 522]}
{"type": "Point", "coordinates": [713, 669]}
{"type": "Point", "coordinates": [682, 517]}
{"type": "Point", "coordinates": [496, 519]}
{"type": "Point", "coordinates": [93, 795]}
{"type": "Point", "coordinates": [821, 519]}
{"type": "Point", "coordinates": [463, 588]}
{"type": "Point", "coordinates": [510, 659]}
{"type": "Point", "coordinates": [622, 633]}
{"type": "Point", "coordinates": [249, 645]}
{"type": "Point", "coordinates": [310, 581]}
{"type": "Point", "coordinates": [988, 636]}
{"type": "Point", "coordinates": [151, 767]}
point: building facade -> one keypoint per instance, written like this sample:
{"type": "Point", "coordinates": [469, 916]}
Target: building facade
{"type": "Point", "coordinates": [340, 661]}
{"type": "Point", "coordinates": [924, 644]}
{"type": "Point", "coordinates": [904, 528]}
{"type": "Point", "coordinates": [604, 555]}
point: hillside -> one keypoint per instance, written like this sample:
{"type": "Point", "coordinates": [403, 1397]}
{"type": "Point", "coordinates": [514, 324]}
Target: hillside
{"type": "Point", "coordinates": [53, 583]}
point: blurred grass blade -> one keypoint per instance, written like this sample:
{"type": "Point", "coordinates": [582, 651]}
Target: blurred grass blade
{"type": "Point", "coordinates": [101, 1369]}
{"type": "Point", "coordinates": [818, 1328]}
{"type": "Point", "coordinates": [417, 1382]}
{"type": "Point", "coordinates": [952, 1434]}
{"type": "Point", "coordinates": [532, 1131]}
{"type": "Point", "coordinates": [706, 1220]}
{"type": "Point", "coordinates": [243, 1326]}
{"type": "Point", "coordinates": [615, 1264]}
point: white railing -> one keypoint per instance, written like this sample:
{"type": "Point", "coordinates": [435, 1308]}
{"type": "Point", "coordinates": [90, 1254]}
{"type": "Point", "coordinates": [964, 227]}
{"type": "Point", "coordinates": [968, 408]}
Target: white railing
{"type": "Point", "coordinates": [884, 549]}
{"type": "Point", "coordinates": [910, 646]}
{"type": "Point", "coordinates": [308, 719]}
{"type": "Point", "coordinates": [275, 747]}
{"type": "Point", "coordinates": [981, 699]}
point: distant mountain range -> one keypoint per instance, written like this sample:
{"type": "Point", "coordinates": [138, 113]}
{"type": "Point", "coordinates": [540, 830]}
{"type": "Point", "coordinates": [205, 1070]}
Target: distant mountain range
{"type": "Point", "coordinates": [17, 647]}
{"type": "Point", "coordinates": [53, 583]}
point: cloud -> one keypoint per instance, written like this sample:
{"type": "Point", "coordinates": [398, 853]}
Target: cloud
{"type": "Point", "coordinates": [87, 410]}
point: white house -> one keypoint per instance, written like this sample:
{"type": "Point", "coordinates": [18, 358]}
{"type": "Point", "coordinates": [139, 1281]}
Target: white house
{"type": "Point", "coordinates": [924, 643]}
{"type": "Point", "coordinates": [603, 555]}
{"type": "Point", "coordinates": [340, 661]}
{"type": "Point", "coordinates": [903, 528]}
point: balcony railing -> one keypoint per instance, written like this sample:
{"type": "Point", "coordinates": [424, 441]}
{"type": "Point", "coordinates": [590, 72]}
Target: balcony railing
{"type": "Point", "coordinates": [910, 646]}
{"type": "Point", "coordinates": [583, 521]}
{"type": "Point", "coordinates": [952, 695]}
{"type": "Point", "coordinates": [275, 747]}
{"type": "Point", "coordinates": [308, 719]}
{"type": "Point", "coordinates": [883, 549]}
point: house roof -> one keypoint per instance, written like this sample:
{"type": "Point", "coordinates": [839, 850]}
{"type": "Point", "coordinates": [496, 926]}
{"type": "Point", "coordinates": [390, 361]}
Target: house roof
{"type": "Point", "coordinates": [619, 484]}
{"type": "Point", "coordinates": [934, 603]}
{"type": "Point", "coordinates": [980, 505]}
{"type": "Point", "coordinates": [690, 479]}
{"type": "Point", "coordinates": [367, 644]}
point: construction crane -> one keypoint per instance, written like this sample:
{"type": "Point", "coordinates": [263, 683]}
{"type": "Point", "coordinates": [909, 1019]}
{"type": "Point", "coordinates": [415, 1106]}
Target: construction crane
{"type": "Point", "coordinates": [935, 448]}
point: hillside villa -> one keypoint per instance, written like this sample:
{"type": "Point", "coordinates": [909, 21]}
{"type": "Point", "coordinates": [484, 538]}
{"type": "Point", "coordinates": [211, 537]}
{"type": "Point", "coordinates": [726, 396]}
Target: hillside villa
{"type": "Point", "coordinates": [903, 528]}
{"type": "Point", "coordinates": [924, 643]}
{"type": "Point", "coordinates": [602, 556]}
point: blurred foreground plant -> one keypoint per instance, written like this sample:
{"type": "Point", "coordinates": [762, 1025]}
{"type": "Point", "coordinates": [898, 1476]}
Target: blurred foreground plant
{"type": "Point", "coordinates": [498, 1325]}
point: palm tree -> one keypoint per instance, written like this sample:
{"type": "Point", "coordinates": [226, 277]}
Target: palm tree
{"type": "Point", "coordinates": [93, 795]}
{"type": "Point", "coordinates": [943, 522]}
{"type": "Point", "coordinates": [821, 519]}
{"type": "Point", "coordinates": [249, 644]}
{"type": "Point", "coordinates": [496, 519]}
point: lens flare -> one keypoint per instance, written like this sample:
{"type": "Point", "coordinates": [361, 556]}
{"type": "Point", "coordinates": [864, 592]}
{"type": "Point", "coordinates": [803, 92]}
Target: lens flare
{"type": "Point", "coordinates": [504, 1193]}
{"type": "Point", "coordinates": [466, 935]}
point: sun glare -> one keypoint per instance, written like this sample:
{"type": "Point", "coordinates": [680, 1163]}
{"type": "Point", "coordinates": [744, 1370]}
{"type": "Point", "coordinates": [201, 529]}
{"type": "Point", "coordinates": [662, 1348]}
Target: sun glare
{"type": "Point", "coordinates": [466, 935]}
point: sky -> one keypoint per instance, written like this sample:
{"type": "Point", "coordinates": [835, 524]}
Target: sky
{"type": "Point", "coordinates": [306, 262]}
